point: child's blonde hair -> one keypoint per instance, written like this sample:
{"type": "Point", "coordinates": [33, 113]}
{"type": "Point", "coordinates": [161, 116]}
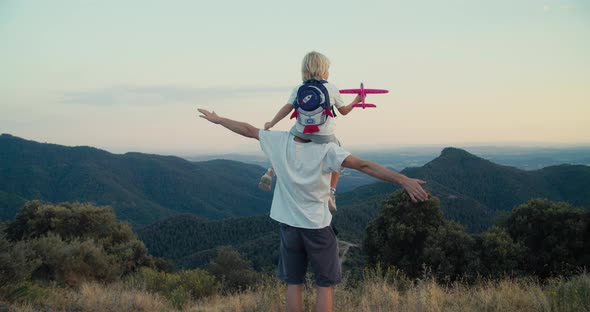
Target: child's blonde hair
{"type": "Point", "coordinates": [314, 66]}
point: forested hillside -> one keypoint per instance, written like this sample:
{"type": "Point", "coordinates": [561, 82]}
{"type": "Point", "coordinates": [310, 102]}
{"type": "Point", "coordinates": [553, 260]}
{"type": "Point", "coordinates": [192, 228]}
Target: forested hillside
{"type": "Point", "coordinates": [142, 188]}
{"type": "Point", "coordinates": [191, 241]}
{"type": "Point", "coordinates": [473, 191]}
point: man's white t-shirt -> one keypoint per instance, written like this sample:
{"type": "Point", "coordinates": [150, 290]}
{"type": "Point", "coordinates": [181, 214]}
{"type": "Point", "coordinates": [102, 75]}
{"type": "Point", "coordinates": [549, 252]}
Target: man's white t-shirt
{"type": "Point", "coordinates": [335, 99]}
{"type": "Point", "coordinates": [303, 173]}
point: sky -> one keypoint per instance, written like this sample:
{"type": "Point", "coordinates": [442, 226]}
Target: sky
{"type": "Point", "coordinates": [129, 75]}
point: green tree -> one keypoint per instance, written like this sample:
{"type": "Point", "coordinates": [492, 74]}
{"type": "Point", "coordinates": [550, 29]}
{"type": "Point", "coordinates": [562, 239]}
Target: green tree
{"type": "Point", "coordinates": [232, 270]}
{"type": "Point", "coordinates": [499, 254]}
{"type": "Point", "coordinates": [554, 235]}
{"type": "Point", "coordinates": [450, 252]}
{"type": "Point", "coordinates": [399, 234]}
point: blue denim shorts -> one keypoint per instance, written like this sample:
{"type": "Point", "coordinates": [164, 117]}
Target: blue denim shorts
{"type": "Point", "coordinates": [302, 246]}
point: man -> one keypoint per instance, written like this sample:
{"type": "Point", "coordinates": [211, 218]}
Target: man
{"type": "Point", "coordinates": [300, 204]}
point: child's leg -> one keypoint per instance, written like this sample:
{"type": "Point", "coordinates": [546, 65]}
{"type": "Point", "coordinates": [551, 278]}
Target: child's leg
{"type": "Point", "coordinates": [334, 180]}
{"type": "Point", "coordinates": [333, 183]}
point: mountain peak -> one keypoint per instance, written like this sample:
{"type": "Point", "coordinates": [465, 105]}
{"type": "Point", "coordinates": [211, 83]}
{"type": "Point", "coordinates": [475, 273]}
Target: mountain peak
{"type": "Point", "coordinates": [453, 152]}
{"type": "Point", "coordinates": [8, 136]}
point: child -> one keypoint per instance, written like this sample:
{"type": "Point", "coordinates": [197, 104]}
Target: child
{"type": "Point", "coordinates": [315, 66]}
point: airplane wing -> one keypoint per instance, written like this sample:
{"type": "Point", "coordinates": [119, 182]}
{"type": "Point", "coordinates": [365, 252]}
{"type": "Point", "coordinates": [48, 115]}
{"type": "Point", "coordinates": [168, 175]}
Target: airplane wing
{"type": "Point", "coordinates": [375, 91]}
{"type": "Point", "coordinates": [363, 106]}
{"type": "Point", "coordinates": [351, 91]}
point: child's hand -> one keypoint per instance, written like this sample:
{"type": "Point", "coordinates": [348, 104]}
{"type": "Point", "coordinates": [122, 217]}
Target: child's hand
{"type": "Point", "coordinates": [357, 99]}
{"type": "Point", "coordinates": [268, 125]}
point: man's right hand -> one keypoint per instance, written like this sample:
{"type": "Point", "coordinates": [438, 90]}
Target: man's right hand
{"type": "Point", "coordinates": [268, 125]}
{"type": "Point", "coordinates": [414, 189]}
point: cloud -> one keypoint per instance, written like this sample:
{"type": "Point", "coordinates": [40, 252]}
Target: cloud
{"type": "Point", "coordinates": [157, 95]}
{"type": "Point", "coordinates": [558, 8]}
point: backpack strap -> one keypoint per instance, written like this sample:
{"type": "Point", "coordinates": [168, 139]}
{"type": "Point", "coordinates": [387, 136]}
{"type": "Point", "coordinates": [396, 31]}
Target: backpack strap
{"type": "Point", "coordinates": [312, 96]}
{"type": "Point", "coordinates": [331, 106]}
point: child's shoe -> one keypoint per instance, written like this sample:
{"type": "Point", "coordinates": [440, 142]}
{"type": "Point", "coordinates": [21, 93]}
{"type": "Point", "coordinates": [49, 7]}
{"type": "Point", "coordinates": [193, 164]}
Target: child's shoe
{"type": "Point", "coordinates": [265, 183]}
{"type": "Point", "coordinates": [332, 201]}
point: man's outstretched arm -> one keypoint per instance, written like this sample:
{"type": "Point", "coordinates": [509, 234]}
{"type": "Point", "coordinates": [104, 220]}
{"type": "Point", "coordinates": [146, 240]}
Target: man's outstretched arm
{"type": "Point", "coordinates": [412, 186]}
{"type": "Point", "coordinates": [238, 127]}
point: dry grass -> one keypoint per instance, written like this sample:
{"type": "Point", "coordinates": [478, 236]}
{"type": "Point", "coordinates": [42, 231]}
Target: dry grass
{"type": "Point", "coordinates": [93, 297]}
{"type": "Point", "coordinates": [98, 298]}
{"type": "Point", "coordinates": [271, 296]}
{"type": "Point", "coordinates": [423, 296]}
{"type": "Point", "coordinates": [374, 294]}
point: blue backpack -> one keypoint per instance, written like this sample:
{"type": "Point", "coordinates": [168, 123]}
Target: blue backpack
{"type": "Point", "coordinates": [312, 105]}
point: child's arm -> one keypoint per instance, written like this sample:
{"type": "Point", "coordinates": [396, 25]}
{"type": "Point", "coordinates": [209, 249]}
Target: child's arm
{"type": "Point", "coordinates": [344, 110]}
{"type": "Point", "coordinates": [282, 113]}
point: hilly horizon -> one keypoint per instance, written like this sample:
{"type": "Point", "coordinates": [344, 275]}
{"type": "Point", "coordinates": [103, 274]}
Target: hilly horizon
{"type": "Point", "coordinates": [147, 188]}
{"type": "Point", "coordinates": [142, 188]}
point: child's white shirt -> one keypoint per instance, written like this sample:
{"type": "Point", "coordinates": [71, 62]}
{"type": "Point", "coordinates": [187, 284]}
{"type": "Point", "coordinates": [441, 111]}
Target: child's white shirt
{"type": "Point", "coordinates": [303, 172]}
{"type": "Point", "coordinates": [328, 128]}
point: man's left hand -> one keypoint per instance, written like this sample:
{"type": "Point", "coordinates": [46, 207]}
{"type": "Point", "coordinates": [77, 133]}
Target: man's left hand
{"type": "Point", "coordinates": [211, 116]}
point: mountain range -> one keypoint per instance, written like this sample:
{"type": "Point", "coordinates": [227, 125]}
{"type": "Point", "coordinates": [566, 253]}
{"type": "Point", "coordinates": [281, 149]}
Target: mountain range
{"type": "Point", "coordinates": [474, 191]}
{"type": "Point", "coordinates": [183, 210]}
{"type": "Point", "coordinates": [142, 188]}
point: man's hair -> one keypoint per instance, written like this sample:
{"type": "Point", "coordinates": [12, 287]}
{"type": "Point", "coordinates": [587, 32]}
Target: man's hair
{"type": "Point", "coordinates": [314, 65]}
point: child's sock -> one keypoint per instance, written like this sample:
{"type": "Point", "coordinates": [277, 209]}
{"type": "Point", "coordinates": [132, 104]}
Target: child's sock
{"type": "Point", "coordinates": [332, 200]}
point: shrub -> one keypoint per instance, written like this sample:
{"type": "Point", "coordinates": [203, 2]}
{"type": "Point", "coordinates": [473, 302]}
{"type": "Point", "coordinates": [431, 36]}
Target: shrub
{"type": "Point", "coordinates": [233, 271]}
{"type": "Point", "coordinates": [570, 295]}
{"type": "Point", "coordinates": [17, 262]}
{"type": "Point", "coordinates": [178, 287]}
{"type": "Point", "coordinates": [25, 291]}
{"type": "Point", "coordinates": [72, 262]}
{"type": "Point", "coordinates": [73, 242]}
{"type": "Point", "coordinates": [199, 283]}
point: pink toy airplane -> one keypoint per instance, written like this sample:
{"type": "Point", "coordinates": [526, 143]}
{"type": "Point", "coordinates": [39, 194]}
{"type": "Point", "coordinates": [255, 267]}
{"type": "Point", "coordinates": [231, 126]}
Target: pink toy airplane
{"type": "Point", "coordinates": [363, 92]}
